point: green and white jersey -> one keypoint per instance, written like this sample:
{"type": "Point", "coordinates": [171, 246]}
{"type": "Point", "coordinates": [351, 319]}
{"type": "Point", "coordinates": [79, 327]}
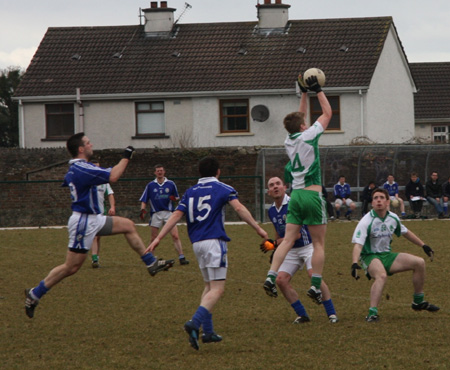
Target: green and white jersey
{"type": "Point", "coordinates": [103, 191]}
{"type": "Point", "coordinates": [375, 233]}
{"type": "Point", "coordinates": [303, 151]}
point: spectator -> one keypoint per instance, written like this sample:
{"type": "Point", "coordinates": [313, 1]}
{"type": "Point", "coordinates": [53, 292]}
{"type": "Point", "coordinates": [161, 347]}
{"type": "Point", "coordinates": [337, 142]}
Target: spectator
{"type": "Point", "coordinates": [342, 194]}
{"type": "Point", "coordinates": [367, 197]}
{"type": "Point", "coordinates": [434, 193]}
{"type": "Point", "coordinates": [392, 187]}
{"type": "Point", "coordinates": [330, 210]}
{"type": "Point", "coordinates": [446, 195]}
{"type": "Point", "coordinates": [415, 194]}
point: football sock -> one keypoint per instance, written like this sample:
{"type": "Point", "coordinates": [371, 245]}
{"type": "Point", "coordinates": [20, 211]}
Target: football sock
{"type": "Point", "coordinates": [418, 298]}
{"type": "Point", "coordinates": [181, 256]}
{"type": "Point", "coordinates": [338, 214]}
{"type": "Point", "coordinates": [329, 307]}
{"type": "Point", "coordinates": [445, 208]}
{"type": "Point", "coordinates": [39, 291]}
{"type": "Point", "coordinates": [208, 324]}
{"type": "Point", "coordinates": [272, 275]}
{"type": "Point", "coordinates": [95, 258]}
{"type": "Point", "coordinates": [199, 316]}
{"type": "Point", "coordinates": [148, 258]}
{"type": "Point", "coordinates": [299, 308]}
{"type": "Point", "coordinates": [373, 311]}
{"type": "Point", "coordinates": [316, 280]}
{"type": "Point", "coordinates": [347, 213]}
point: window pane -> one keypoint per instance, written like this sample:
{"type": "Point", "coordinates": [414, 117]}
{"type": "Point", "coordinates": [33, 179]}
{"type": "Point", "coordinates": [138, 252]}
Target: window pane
{"type": "Point", "coordinates": [158, 106]}
{"type": "Point", "coordinates": [150, 123]}
{"type": "Point", "coordinates": [234, 115]}
{"type": "Point", "coordinates": [60, 120]}
{"type": "Point", "coordinates": [316, 112]}
{"type": "Point", "coordinates": [143, 106]}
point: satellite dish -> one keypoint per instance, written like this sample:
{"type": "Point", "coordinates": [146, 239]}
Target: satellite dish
{"type": "Point", "coordinates": [260, 113]}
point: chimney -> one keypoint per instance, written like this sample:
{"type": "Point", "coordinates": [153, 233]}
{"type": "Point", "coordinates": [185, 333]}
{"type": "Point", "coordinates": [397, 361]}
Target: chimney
{"type": "Point", "coordinates": [158, 20]}
{"type": "Point", "coordinates": [273, 15]}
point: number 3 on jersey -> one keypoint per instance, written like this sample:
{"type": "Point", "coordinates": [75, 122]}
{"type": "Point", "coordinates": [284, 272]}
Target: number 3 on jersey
{"type": "Point", "coordinates": [297, 165]}
{"type": "Point", "coordinates": [201, 206]}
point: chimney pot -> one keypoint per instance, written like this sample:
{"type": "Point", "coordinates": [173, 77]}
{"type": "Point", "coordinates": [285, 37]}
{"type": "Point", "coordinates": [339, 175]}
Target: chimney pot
{"type": "Point", "coordinates": [277, 1]}
{"type": "Point", "coordinates": [267, 2]}
{"type": "Point", "coordinates": [154, 4]}
{"type": "Point", "coordinates": [163, 4]}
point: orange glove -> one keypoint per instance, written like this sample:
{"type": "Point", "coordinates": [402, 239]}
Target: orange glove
{"type": "Point", "coordinates": [173, 198]}
{"type": "Point", "coordinates": [268, 245]}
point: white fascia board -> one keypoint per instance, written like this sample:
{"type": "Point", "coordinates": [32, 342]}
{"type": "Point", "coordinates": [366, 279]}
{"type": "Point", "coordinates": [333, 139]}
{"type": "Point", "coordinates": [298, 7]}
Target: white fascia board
{"type": "Point", "coordinates": [174, 95]}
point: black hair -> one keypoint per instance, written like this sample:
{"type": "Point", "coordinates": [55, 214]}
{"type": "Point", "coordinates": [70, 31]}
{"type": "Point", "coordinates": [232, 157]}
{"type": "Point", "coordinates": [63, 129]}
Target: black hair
{"type": "Point", "coordinates": [208, 166]}
{"type": "Point", "coordinates": [74, 142]}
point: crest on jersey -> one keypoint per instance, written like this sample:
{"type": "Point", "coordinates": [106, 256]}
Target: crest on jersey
{"type": "Point", "coordinates": [167, 190]}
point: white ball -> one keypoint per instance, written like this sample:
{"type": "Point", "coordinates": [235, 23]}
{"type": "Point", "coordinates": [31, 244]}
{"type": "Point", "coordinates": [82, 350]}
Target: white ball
{"type": "Point", "coordinates": [315, 72]}
{"type": "Point", "coordinates": [395, 203]}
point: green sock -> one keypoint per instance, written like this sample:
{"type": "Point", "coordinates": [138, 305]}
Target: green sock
{"type": "Point", "coordinates": [373, 311]}
{"type": "Point", "coordinates": [316, 280]}
{"type": "Point", "coordinates": [94, 258]}
{"type": "Point", "coordinates": [418, 298]}
{"type": "Point", "coordinates": [272, 275]}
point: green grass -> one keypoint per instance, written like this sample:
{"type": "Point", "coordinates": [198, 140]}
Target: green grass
{"type": "Point", "coordinates": [119, 317]}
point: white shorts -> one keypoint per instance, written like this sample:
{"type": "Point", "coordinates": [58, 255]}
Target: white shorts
{"type": "Point", "coordinates": [160, 218]}
{"type": "Point", "coordinates": [82, 230]}
{"type": "Point", "coordinates": [212, 258]}
{"type": "Point", "coordinates": [296, 259]}
{"type": "Point", "coordinates": [339, 202]}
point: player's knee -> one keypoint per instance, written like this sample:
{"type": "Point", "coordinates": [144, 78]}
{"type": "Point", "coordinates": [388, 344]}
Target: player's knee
{"type": "Point", "coordinates": [282, 281]}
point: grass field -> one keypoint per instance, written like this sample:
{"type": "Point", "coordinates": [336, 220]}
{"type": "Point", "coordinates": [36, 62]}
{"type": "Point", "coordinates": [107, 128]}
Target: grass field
{"type": "Point", "coordinates": [118, 317]}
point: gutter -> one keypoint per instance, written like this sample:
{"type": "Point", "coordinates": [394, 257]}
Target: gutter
{"type": "Point", "coordinates": [187, 94]}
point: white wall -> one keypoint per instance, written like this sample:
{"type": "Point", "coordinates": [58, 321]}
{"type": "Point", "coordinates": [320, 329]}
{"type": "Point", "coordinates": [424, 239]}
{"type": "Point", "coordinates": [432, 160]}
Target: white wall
{"type": "Point", "coordinates": [390, 100]}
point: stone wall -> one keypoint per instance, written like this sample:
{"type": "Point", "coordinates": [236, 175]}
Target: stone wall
{"type": "Point", "coordinates": [31, 192]}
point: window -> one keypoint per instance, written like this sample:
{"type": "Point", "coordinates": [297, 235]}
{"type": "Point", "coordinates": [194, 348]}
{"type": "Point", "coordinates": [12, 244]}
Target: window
{"type": "Point", "coordinates": [316, 112]}
{"type": "Point", "coordinates": [60, 121]}
{"type": "Point", "coordinates": [441, 134]}
{"type": "Point", "coordinates": [234, 116]}
{"type": "Point", "coordinates": [150, 120]}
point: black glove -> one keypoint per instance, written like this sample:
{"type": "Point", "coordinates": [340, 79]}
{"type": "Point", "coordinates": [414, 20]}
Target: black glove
{"type": "Point", "coordinates": [128, 153]}
{"type": "Point", "coordinates": [268, 245]}
{"type": "Point", "coordinates": [428, 251]}
{"type": "Point", "coordinates": [355, 267]}
{"type": "Point", "coordinates": [313, 84]}
{"type": "Point", "coordinates": [301, 84]}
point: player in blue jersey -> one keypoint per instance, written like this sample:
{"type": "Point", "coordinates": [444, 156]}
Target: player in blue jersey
{"type": "Point", "coordinates": [392, 188]}
{"type": "Point", "coordinates": [87, 221]}
{"type": "Point", "coordinates": [342, 194]}
{"type": "Point", "coordinates": [298, 257]}
{"type": "Point", "coordinates": [160, 194]}
{"type": "Point", "coordinates": [204, 207]}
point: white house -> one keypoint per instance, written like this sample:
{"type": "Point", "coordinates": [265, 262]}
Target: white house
{"type": "Point", "coordinates": [167, 84]}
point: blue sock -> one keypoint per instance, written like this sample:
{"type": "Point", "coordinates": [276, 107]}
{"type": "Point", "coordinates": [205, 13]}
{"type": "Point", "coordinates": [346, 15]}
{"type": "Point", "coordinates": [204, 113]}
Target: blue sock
{"type": "Point", "coordinates": [208, 324]}
{"type": "Point", "coordinates": [299, 308]}
{"type": "Point", "coordinates": [148, 258]}
{"type": "Point", "coordinates": [348, 212]}
{"type": "Point", "coordinates": [40, 290]}
{"type": "Point", "coordinates": [329, 307]}
{"type": "Point", "coordinates": [181, 256]}
{"type": "Point", "coordinates": [338, 214]}
{"type": "Point", "coordinates": [199, 316]}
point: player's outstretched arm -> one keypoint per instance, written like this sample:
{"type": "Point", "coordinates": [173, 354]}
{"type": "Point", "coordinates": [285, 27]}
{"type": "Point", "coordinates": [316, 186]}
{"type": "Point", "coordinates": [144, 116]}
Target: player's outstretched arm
{"type": "Point", "coordinates": [118, 170]}
{"type": "Point", "coordinates": [247, 217]}
{"type": "Point", "coordinates": [171, 222]}
{"type": "Point", "coordinates": [413, 238]}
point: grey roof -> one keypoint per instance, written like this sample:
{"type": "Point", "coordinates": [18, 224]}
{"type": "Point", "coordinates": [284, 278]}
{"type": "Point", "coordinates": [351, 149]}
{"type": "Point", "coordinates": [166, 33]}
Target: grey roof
{"type": "Point", "coordinates": [432, 100]}
{"type": "Point", "coordinates": [209, 58]}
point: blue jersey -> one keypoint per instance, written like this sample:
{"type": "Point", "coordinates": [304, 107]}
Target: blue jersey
{"type": "Point", "coordinates": [391, 188]}
{"type": "Point", "coordinates": [278, 218]}
{"type": "Point", "coordinates": [342, 191]}
{"type": "Point", "coordinates": [158, 195]}
{"type": "Point", "coordinates": [82, 180]}
{"type": "Point", "coordinates": [204, 207]}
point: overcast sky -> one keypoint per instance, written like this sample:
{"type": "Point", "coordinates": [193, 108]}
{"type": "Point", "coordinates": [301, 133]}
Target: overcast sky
{"type": "Point", "coordinates": [423, 26]}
